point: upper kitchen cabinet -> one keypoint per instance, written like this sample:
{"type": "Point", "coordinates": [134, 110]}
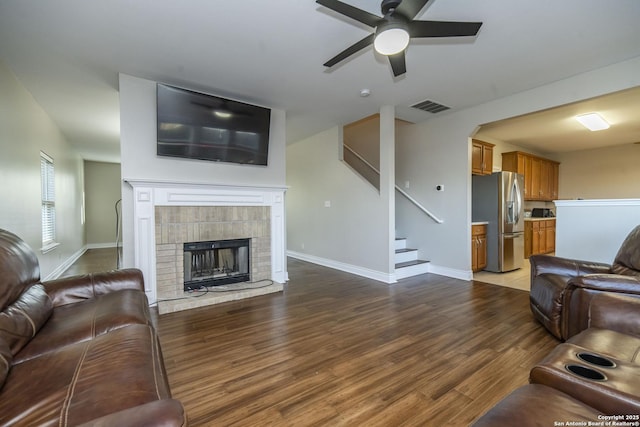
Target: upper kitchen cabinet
{"type": "Point", "coordinates": [540, 174]}
{"type": "Point", "coordinates": [482, 158]}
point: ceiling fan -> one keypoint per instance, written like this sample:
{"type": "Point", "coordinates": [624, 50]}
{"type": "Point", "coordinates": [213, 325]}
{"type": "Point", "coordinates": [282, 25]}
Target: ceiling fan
{"type": "Point", "coordinates": [395, 28]}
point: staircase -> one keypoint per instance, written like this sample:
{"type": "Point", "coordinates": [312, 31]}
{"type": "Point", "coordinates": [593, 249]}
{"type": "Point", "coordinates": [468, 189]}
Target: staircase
{"type": "Point", "coordinates": [407, 262]}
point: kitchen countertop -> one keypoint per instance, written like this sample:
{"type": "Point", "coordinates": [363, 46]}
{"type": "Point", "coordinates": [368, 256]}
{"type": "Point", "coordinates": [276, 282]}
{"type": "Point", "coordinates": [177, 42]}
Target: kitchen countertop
{"type": "Point", "coordinates": [539, 219]}
{"type": "Point", "coordinates": [480, 223]}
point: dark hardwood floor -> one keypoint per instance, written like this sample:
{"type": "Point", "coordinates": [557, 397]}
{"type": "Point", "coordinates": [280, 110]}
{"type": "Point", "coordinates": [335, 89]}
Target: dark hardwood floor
{"type": "Point", "coordinates": [339, 350]}
{"type": "Point", "coordinates": [93, 260]}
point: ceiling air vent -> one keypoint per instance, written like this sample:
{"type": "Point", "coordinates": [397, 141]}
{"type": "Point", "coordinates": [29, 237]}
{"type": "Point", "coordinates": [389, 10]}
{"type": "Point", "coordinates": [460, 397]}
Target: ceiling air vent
{"type": "Point", "coordinates": [430, 107]}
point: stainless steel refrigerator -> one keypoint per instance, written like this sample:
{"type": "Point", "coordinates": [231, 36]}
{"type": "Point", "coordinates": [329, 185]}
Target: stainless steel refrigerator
{"type": "Point", "coordinates": [498, 199]}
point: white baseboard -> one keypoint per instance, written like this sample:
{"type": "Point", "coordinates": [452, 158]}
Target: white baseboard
{"type": "Point", "coordinates": [348, 268]}
{"type": "Point", "coordinates": [378, 275]}
{"type": "Point", "coordinates": [65, 265]}
{"type": "Point", "coordinates": [452, 272]}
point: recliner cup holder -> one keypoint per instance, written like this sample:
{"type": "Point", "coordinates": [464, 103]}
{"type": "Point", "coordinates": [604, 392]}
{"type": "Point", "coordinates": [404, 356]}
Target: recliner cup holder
{"type": "Point", "coordinates": [594, 359]}
{"type": "Point", "coordinates": [585, 372]}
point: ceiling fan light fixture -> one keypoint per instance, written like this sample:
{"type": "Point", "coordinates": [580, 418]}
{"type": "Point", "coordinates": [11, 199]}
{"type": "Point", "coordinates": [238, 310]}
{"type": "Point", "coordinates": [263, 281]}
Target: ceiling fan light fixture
{"type": "Point", "coordinates": [391, 37]}
{"type": "Point", "coordinates": [592, 121]}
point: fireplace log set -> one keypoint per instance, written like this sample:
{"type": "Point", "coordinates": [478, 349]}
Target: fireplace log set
{"type": "Point", "coordinates": [216, 263]}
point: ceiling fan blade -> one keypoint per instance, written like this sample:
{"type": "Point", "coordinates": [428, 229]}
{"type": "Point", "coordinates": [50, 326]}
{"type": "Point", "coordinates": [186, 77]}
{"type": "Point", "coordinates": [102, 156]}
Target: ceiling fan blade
{"type": "Point", "coordinates": [356, 47]}
{"type": "Point", "coordinates": [443, 28]}
{"type": "Point", "coordinates": [351, 12]}
{"type": "Point", "coordinates": [398, 64]}
{"type": "Point", "coordinates": [410, 8]}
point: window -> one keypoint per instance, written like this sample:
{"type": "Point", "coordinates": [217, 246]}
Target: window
{"type": "Point", "coordinates": [47, 179]}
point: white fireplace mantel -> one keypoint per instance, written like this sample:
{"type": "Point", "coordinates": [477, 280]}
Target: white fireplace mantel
{"type": "Point", "coordinates": [147, 194]}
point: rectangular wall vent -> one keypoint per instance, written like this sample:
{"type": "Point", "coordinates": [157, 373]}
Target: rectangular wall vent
{"type": "Point", "coordinates": [430, 107]}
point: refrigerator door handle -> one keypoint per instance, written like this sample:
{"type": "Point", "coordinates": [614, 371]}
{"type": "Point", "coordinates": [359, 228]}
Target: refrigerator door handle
{"type": "Point", "coordinates": [518, 200]}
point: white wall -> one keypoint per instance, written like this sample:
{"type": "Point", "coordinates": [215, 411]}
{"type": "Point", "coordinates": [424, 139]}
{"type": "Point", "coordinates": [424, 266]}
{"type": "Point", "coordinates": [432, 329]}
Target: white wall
{"type": "Point", "coordinates": [438, 152]}
{"type": "Point", "coordinates": [593, 230]}
{"type": "Point", "coordinates": [102, 191]}
{"type": "Point", "coordinates": [352, 233]}
{"type": "Point", "coordinates": [25, 130]}
{"type": "Point", "coordinates": [139, 159]}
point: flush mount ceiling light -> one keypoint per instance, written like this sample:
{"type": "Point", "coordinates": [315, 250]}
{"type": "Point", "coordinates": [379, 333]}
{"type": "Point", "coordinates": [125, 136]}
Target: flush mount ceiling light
{"type": "Point", "coordinates": [392, 37]}
{"type": "Point", "coordinates": [223, 114]}
{"type": "Point", "coordinates": [592, 121]}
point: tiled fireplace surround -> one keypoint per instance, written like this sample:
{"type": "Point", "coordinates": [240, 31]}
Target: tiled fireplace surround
{"type": "Point", "coordinates": [166, 215]}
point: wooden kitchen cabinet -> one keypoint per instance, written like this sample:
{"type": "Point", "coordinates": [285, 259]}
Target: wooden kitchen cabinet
{"type": "Point", "coordinates": [478, 247]}
{"type": "Point", "coordinates": [540, 174]}
{"type": "Point", "coordinates": [528, 176]}
{"type": "Point", "coordinates": [550, 236]}
{"type": "Point", "coordinates": [545, 170]}
{"type": "Point", "coordinates": [539, 237]}
{"type": "Point", "coordinates": [553, 180]}
{"type": "Point", "coordinates": [482, 158]}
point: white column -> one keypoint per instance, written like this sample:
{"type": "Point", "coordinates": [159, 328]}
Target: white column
{"type": "Point", "coordinates": [387, 179]}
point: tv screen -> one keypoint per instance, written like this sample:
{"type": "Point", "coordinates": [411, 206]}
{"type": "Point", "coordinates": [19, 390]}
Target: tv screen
{"type": "Point", "coordinates": [198, 126]}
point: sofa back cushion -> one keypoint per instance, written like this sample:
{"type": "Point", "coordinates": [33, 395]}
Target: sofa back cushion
{"type": "Point", "coordinates": [627, 260]}
{"type": "Point", "coordinates": [5, 361]}
{"type": "Point", "coordinates": [18, 268]}
{"type": "Point", "coordinates": [23, 319]}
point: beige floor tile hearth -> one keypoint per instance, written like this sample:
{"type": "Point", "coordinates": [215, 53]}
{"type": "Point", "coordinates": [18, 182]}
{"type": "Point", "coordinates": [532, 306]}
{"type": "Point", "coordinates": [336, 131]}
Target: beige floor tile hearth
{"type": "Point", "coordinates": [177, 225]}
{"type": "Point", "coordinates": [217, 295]}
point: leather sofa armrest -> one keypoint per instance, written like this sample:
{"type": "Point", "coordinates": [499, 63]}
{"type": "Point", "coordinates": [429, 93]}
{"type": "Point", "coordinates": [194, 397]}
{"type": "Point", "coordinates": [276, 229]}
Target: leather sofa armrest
{"type": "Point", "coordinates": [544, 264]}
{"type": "Point", "coordinates": [607, 283]}
{"type": "Point", "coordinates": [617, 312]}
{"type": "Point", "coordinates": [159, 413]}
{"type": "Point", "coordinates": [72, 289]}
{"type": "Point", "coordinates": [580, 291]}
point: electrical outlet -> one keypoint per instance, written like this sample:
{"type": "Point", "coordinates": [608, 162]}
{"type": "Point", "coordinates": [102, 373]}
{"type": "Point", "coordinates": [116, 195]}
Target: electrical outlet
{"type": "Point", "coordinates": [327, 203]}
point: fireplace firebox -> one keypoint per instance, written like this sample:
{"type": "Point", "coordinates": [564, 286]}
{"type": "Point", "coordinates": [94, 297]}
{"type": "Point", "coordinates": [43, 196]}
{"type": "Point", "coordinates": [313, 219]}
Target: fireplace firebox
{"type": "Point", "coordinates": [216, 263]}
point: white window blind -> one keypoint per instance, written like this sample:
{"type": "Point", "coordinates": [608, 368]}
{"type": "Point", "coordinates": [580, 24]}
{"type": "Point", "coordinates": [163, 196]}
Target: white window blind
{"type": "Point", "coordinates": [47, 178]}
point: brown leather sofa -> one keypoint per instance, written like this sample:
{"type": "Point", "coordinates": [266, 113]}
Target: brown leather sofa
{"type": "Point", "coordinates": [561, 288]}
{"type": "Point", "coordinates": [594, 376]}
{"type": "Point", "coordinates": [78, 351]}
{"type": "Point", "coordinates": [537, 405]}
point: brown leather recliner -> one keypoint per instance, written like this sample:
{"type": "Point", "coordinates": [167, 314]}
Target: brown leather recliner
{"type": "Point", "coordinates": [80, 350]}
{"type": "Point", "coordinates": [562, 289]}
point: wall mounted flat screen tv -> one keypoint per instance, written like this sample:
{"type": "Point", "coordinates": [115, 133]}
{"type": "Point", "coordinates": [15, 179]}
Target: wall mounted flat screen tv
{"type": "Point", "coordinates": [198, 126]}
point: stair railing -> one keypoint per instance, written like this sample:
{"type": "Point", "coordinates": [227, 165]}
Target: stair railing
{"type": "Point", "coordinates": [398, 189]}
